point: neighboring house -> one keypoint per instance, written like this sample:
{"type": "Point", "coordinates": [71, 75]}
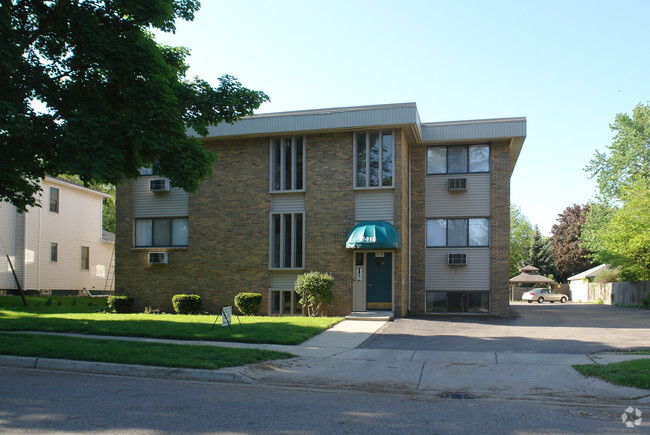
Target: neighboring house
{"type": "Point", "coordinates": [59, 247]}
{"type": "Point", "coordinates": [579, 284]}
{"type": "Point", "coordinates": [408, 217]}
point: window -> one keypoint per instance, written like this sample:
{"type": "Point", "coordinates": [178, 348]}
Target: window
{"type": "Point", "coordinates": [287, 236]}
{"type": "Point", "coordinates": [161, 232]}
{"type": "Point", "coordinates": [458, 159]}
{"type": "Point", "coordinates": [373, 159]}
{"type": "Point", "coordinates": [85, 258]}
{"type": "Point", "coordinates": [146, 170]}
{"type": "Point", "coordinates": [54, 199]}
{"type": "Point", "coordinates": [54, 252]}
{"type": "Point", "coordinates": [287, 163]}
{"type": "Point", "coordinates": [458, 232]}
{"type": "Point", "coordinates": [458, 302]}
{"type": "Point", "coordinates": [285, 302]}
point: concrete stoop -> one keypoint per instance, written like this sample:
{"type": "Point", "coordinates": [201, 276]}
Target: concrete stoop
{"type": "Point", "coordinates": [379, 316]}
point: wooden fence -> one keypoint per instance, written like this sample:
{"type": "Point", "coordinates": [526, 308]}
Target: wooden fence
{"type": "Point", "coordinates": [619, 293]}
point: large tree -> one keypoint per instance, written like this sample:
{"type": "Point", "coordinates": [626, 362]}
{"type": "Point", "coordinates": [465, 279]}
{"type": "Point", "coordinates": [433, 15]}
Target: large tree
{"type": "Point", "coordinates": [521, 232]}
{"type": "Point", "coordinates": [568, 256]}
{"type": "Point", "coordinates": [86, 90]}
{"type": "Point", "coordinates": [617, 228]}
{"type": "Point", "coordinates": [539, 254]}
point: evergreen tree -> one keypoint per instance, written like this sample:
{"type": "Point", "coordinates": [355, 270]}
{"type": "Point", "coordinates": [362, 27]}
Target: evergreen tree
{"type": "Point", "coordinates": [539, 254]}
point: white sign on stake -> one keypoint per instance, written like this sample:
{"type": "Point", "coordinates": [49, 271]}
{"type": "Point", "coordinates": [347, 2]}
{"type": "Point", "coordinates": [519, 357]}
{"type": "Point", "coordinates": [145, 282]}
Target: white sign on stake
{"type": "Point", "coordinates": [226, 318]}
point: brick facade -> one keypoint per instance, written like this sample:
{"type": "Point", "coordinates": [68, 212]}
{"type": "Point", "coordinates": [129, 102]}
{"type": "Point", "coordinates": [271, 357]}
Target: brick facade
{"type": "Point", "coordinates": [229, 225]}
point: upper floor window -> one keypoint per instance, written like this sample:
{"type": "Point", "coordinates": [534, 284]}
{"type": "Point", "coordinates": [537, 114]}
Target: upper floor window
{"type": "Point", "coordinates": [85, 258]}
{"type": "Point", "coordinates": [146, 170]}
{"type": "Point", "coordinates": [287, 240]}
{"type": "Point", "coordinates": [287, 163]}
{"type": "Point", "coordinates": [458, 159]}
{"type": "Point", "coordinates": [54, 199]}
{"type": "Point", "coordinates": [458, 232]}
{"type": "Point", "coordinates": [54, 252]}
{"type": "Point", "coordinates": [373, 159]}
{"type": "Point", "coordinates": [161, 232]}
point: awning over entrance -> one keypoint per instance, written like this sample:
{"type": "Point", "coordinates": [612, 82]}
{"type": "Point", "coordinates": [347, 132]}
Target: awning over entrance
{"type": "Point", "coordinates": [373, 235]}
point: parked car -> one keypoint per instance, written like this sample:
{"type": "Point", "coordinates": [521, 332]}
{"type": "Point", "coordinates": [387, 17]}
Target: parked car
{"type": "Point", "coordinates": [543, 294]}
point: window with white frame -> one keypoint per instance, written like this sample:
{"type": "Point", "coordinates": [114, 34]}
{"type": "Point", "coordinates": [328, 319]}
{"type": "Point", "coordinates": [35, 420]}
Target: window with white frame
{"type": "Point", "coordinates": [284, 302]}
{"type": "Point", "coordinates": [54, 252]}
{"type": "Point", "coordinates": [458, 159]}
{"type": "Point", "coordinates": [54, 199]}
{"type": "Point", "coordinates": [458, 232]}
{"type": "Point", "coordinates": [287, 163]}
{"type": "Point", "coordinates": [161, 232]}
{"type": "Point", "coordinates": [287, 240]}
{"type": "Point", "coordinates": [85, 258]}
{"type": "Point", "coordinates": [373, 159]}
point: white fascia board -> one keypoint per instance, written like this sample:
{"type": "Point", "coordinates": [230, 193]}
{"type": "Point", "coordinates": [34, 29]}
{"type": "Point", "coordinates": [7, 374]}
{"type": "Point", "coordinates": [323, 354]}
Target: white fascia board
{"type": "Point", "coordinates": [71, 185]}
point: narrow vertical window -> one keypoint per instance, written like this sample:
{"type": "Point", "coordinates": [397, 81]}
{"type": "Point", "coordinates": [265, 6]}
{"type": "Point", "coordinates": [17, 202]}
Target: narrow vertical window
{"type": "Point", "coordinates": [287, 163]}
{"type": "Point", "coordinates": [85, 258]}
{"type": "Point", "coordinates": [54, 199]}
{"type": "Point", "coordinates": [457, 232]}
{"type": "Point", "coordinates": [287, 236]}
{"type": "Point", "coordinates": [387, 159]}
{"type": "Point", "coordinates": [54, 252]}
{"type": "Point", "coordinates": [374, 159]}
{"type": "Point", "coordinates": [457, 160]}
{"type": "Point", "coordinates": [361, 160]}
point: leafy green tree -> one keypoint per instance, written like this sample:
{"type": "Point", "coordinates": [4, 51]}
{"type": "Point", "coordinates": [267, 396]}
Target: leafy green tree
{"type": "Point", "coordinates": [539, 254]}
{"type": "Point", "coordinates": [617, 227]}
{"type": "Point", "coordinates": [521, 231]}
{"type": "Point", "coordinates": [628, 157]}
{"type": "Point", "coordinates": [569, 257]}
{"type": "Point", "coordinates": [86, 90]}
{"type": "Point", "coordinates": [623, 239]}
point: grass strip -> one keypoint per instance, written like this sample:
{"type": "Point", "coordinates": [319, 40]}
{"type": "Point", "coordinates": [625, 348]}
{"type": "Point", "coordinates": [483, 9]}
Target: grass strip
{"type": "Point", "coordinates": [634, 373]}
{"type": "Point", "coordinates": [257, 329]}
{"type": "Point", "coordinates": [130, 352]}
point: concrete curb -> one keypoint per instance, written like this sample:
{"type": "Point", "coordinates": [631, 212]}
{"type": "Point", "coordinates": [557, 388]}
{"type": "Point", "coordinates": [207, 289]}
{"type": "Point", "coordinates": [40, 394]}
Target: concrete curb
{"type": "Point", "coordinates": [124, 369]}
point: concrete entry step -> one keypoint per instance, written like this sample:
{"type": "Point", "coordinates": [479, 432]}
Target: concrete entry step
{"type": "Point", "coordinates": [381, 316]}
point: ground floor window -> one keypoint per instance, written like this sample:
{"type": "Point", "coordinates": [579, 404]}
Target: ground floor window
{"type": "Point", "coordinates": [458, 302]}
{"type": "Point", "coordinates": [285, 302]}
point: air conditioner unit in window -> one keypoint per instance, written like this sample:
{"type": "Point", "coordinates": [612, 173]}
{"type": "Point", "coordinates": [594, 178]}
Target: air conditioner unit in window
{"type": "Point", "coordinates": [159, 185]}
{"type": "Point", "coordinates": [457, 259]}
{"type": "Point", "coordinates": [456, 184]}
{"type": "Point", "coordinates": [157, 258]}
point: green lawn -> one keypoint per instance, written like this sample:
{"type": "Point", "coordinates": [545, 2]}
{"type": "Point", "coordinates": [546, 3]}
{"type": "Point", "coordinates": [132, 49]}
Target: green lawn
{"type": "Point", "coordinates": [634, 373]}
{"type": "Point", "coordinates": [54, 315]}
{"type": "Point", "coordinates": [128, 352]}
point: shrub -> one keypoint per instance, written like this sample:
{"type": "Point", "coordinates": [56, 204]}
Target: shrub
{"type": "Point", "coordinates": [645, 302]}
{"type": "Point", "coordinates": [315, 290]}
{"type": "Point", "coordinates": [248, 303]}
{"type": "Point", "coordinates": [120, 304]}
{"type": "Point", "coordinates": [186, 304]}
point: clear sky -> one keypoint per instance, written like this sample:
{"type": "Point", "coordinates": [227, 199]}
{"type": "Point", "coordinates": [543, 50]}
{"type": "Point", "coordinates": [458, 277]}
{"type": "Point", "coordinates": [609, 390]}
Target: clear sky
{"type": "Point", "coordinates": [568, 66]}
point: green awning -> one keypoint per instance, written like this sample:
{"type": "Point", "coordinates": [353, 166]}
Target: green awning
{"type": "Point", "coordinates": [373, 235]}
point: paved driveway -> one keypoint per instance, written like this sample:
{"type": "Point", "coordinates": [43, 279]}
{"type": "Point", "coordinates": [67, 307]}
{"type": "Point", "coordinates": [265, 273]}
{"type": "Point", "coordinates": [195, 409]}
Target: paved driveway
{"type": "Point", "coordinates": [536, 328]}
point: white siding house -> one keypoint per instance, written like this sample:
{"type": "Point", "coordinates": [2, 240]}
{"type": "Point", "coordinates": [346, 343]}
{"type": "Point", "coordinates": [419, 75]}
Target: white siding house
{"type": "Point", "coordinates": [59, 246]}
{"type": "Point", "coordinates": [579, 284]}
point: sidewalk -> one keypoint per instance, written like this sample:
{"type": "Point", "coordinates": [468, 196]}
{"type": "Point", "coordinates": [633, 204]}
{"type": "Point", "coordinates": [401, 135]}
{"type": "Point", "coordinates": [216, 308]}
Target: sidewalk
{"type": "Point", "coordinates": [332, 360]}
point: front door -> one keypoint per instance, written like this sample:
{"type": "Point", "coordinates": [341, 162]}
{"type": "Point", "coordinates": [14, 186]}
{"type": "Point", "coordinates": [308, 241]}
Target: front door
{"type": "Point", "coordinates": [379, 273]}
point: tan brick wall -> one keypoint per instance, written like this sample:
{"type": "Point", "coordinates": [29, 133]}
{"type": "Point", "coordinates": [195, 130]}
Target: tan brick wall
{"type": "Point", "coordinates": [400, 284]}
{"type": "Point", "coordinates": [418, 228]}
{"type": "Point", "coordinates": [329, 209]}
{"type": "Point", "coordinates": [500, 228]}
{"type": "Point", "coordinates": [228, 236]}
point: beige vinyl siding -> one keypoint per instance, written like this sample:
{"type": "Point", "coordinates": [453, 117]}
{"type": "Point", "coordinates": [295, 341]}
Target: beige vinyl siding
{"type": "Point", "coordinates": [78, 223]}
{"type": "Point", "coordinates": [474, 276]}
{"type": "Point", "coordinates": [374, 205]}
{"type": "Point", "coordinates": [146, 203]}
{"type": "Point", "coordinates": [288, 202]}
{"type": "Point", "coordinates": [283, 280]}
{"type": "Point", "coordinates": [473, 202]}
{"type": "Point", "coordinates": [7, 234]}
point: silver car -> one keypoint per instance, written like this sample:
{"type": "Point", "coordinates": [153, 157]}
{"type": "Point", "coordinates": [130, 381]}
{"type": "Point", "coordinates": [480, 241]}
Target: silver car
{"type": "Point", "coordinates": [543, 294]}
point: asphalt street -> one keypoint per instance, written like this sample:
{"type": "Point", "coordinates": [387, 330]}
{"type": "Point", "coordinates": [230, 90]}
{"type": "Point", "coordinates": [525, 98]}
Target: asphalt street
{"type": "Point", "coordinates": [50, 402]}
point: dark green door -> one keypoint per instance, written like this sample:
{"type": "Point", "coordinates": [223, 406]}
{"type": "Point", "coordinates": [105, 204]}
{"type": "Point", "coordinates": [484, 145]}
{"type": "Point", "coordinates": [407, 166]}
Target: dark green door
{"type": "Point", "coordinates": [379, 272]}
